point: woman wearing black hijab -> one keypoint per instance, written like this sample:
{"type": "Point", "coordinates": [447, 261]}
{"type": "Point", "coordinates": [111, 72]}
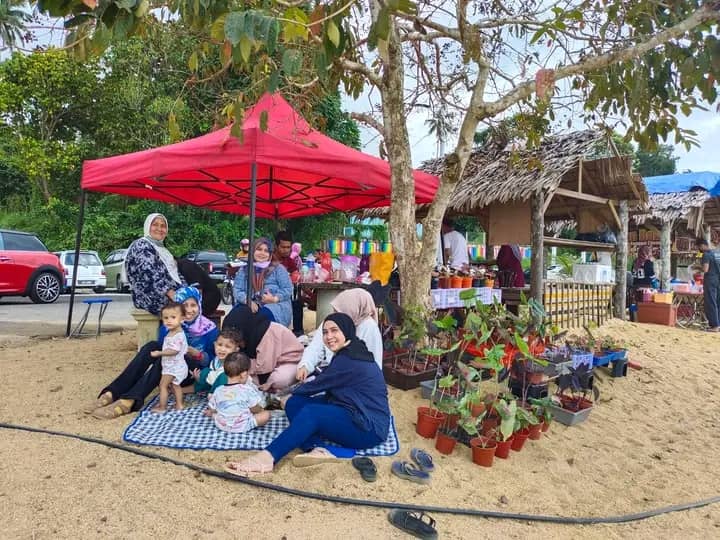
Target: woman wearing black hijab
{"type": "Point", "coordinates": [353, 411]}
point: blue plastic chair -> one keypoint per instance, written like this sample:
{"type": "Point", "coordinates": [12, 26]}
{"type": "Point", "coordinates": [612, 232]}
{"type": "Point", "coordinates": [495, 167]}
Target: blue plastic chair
{"type": "Point", "coordinates": [78, 330]}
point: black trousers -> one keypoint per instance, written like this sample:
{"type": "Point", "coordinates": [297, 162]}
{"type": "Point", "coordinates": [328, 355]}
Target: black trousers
{"type": "Point", "coordinates": [140, 377]}
{"type": "Point", "coordinates": [297, 311]}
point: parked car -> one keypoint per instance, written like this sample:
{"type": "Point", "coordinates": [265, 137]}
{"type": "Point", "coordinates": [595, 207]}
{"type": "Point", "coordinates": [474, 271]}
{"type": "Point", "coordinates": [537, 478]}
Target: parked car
{"type": "Point", "coordinates": [27, 268]}
{"type": "Point", "coordinates": [213, 262]}
{"type": "Point", "coordinates": [91, 272]}
{"type": "Point", "coordinates": [114, 270]}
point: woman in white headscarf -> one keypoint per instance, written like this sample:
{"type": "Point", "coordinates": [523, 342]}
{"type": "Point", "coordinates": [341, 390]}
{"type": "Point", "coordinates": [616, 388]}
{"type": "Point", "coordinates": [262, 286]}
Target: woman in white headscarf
{"type": "Point", "coordinates": [151, 269]}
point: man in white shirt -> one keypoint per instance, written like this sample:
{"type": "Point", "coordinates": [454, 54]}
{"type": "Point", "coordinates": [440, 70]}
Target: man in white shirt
{"type": "Point", "coordinates": [456, 250]}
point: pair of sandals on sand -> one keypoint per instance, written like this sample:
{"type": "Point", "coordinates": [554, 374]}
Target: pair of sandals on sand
{"type": "Point", "coordinates": [107, 408]}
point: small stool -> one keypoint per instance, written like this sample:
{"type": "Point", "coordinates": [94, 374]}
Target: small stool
{"type": "Point", "coordinates": [78, 330]}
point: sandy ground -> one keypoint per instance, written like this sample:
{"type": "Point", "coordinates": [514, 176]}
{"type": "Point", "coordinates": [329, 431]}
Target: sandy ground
{"type": "Point", "coordinates": [651, 441]}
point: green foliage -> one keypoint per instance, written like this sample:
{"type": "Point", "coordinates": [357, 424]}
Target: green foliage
{"type": "Point", "coordinates": [657, 162]}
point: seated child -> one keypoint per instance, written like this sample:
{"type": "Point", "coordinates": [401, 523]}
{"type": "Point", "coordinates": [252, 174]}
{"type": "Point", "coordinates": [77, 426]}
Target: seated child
{"type": "Point", "coordinates": [235, 407]}
{"type": "Point", "coordinates": [174, 347]}
{"type": "Point", "coordinates": [209, 378]}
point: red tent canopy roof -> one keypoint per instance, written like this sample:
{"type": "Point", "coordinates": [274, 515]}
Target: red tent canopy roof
{"type": "Point", "coordinates": [300, 171]}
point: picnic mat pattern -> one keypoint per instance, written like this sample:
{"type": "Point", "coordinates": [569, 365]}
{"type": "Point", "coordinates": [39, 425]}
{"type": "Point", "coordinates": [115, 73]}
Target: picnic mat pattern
{"type": "Point", "coordinates": [189, 429]}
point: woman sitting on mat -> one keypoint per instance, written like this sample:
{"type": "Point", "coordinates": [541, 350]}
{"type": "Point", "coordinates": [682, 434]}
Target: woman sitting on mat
{"type": "Point", "coordinates": [151, 269]}
{"type": "Point", "coordinates": [273, 349]}
{"type": "Point", "coordinates": [353, 411]}
{"type": "Point", "coordinates": [271, 286]}
{"type": "Point", "coordinates": [359, 305]}
{"type": "Point", "coordinates": [142, 375]}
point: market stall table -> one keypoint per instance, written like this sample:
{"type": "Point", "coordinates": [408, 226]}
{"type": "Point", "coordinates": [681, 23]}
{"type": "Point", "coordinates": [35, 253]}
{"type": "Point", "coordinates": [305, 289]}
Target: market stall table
{"type": "Point", "coordinates": [690, 309]}
{"type": "Point", "coordinates": [325, 293]}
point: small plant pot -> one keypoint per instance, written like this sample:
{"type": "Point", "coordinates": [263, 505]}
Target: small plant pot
{"type": "Point", "coordinates": [545, 426]}
{"type": "Point", "coordinates": [444, 282]}
{"type": "Point", "coordinates": [483, 451]}
{"type": "Point", "coordinates": [477, 410]}
{"type": "Point", "coordinates": [535, 432]}
{"type": "Point", "coordinates": [428, 422]}
{"type": "Point", "coordinates": [451, 421]}
{"type": "Point", "coordinates": [456, 282]}
{"type": "Point", "coordinates": [519, 438]}
{"type": "Point", "coordinates": [502, 449]}
{"type": "Point", "coordinates": [467, 282]}
{"type": "Point", "coordinates": [444, 443]}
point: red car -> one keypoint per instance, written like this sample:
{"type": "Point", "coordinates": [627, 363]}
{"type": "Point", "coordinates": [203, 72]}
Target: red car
{"type": "Point", "coordinates": [27, 268]}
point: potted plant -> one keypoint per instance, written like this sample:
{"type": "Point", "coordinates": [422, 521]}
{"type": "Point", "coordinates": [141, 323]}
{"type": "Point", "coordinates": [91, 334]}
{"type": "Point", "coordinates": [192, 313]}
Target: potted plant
{"type": "Point", "coordinates": [482, 447]}
{"type": "Point", "coordinates": [507, 410]}
{"type": "Point", "coordinates": [429, 418]}
{"type": "Point", "coordinates": [523, 420]}
{"type": "Point", "coordinates": [574, 391]}
{"type": "Point", "coordinates": [541, 408]}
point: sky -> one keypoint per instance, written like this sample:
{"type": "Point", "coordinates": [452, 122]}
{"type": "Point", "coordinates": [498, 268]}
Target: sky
{"type": "Point", "coordinates": [703, 158]}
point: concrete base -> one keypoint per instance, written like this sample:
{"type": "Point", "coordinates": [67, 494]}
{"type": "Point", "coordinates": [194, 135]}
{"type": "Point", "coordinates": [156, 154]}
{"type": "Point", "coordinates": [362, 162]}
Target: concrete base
{"type": "Point", "coordinates": [147, 326]}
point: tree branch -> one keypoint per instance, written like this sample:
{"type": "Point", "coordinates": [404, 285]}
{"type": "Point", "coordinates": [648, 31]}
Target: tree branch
{"type": "Point", "coordinates": [357, 67]}
{"type": "Point", "coordinates": [370, 121]}
{"type": "Point", "coordinates": [595, 62]}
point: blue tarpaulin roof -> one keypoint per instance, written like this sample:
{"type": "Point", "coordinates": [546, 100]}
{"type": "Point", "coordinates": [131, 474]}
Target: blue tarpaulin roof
{"type": "Point", "coordinates": [680, 182]}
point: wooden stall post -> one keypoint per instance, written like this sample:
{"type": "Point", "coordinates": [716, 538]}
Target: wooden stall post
{"type": "Point", "coordinates": [621, 262]}
{"type": "Point", "coordinates": [537, 230]}
{"type": "Point", "coordinates": [707, 234]}
{"type": "Point", "coordinates": [665, 247]}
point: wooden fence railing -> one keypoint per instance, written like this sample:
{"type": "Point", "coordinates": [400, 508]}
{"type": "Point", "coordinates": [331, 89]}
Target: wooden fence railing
{"type": "Point", "coordinates": [574, 305]}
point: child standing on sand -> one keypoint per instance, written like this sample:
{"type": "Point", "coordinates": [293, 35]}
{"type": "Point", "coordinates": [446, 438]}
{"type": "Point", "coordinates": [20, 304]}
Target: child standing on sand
{"type": "Point", "coordinates": [174, 367]}
{"type": "Point", "coordinates": [235, 407]}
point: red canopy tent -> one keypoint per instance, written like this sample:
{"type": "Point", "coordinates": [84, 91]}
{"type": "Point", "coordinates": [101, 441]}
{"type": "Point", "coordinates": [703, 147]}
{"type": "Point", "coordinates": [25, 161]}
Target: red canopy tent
{"type": "Point", "coordinates": [286, 170]}
{"type": "Point", "coordinates": [299, 171]}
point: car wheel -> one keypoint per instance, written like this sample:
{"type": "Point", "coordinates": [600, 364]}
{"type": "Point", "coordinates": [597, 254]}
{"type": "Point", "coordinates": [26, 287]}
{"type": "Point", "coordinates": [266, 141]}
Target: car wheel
{"type": "Point", "coordinates": [45, 288]}
{"type": "Point", "coordinates": [99, 290]}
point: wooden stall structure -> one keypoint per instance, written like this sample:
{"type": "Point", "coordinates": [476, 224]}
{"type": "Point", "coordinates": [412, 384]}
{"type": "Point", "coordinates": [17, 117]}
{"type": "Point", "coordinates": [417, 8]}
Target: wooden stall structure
{"type": "Point", "coordinates": [580, 177]}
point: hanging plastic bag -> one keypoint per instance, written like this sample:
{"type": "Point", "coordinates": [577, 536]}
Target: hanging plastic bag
{"type": "Point", "coordinates": [381, 265]}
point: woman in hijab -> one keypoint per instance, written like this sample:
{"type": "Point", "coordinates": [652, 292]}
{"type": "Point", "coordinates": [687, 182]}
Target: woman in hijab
{"type": "Point", "coordinates": [644, 269]}
{"type": "Point", "coordinates": [142, 375]}
{"type": "Point", "coordinates": [273, 349]}
{"type": "Point", "coordinates": [509, 261]}
{"type": "Point", "coordinates": [150, 268]}
{"type": "Point", "coordinates": [353, 410]}
{"type": "Point", "coordinates": [271, 286]}
{"type": "Point", "coordinates": [359, 305]}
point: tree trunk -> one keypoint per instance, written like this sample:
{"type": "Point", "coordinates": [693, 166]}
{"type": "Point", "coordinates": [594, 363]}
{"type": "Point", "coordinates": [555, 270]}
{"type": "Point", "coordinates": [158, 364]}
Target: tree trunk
{"type": "Point", "coordinates": [621, 261]}
{"type": "Point", "coordinates": [537, 259]}
{"type": "Point", "coordinates": [665, 247]}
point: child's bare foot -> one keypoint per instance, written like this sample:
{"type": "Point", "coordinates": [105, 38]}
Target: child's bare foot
{"type": "Point", "coordinates": [179, 406]}
{"type": "Point", "coordinates": [158, 410]}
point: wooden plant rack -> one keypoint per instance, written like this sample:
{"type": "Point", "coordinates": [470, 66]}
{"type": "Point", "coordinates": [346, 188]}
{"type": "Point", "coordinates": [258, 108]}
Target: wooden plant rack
{"type": "Point", "coordinates": [575, 305]}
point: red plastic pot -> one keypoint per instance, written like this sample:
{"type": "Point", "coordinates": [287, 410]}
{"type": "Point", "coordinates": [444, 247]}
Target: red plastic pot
{"type": "Point", "coordinates": [519, 438]}
{"type": "Point", "coordinates": [445, 444]}
{"type": "Point", "coordinates": [489, 425]}
{"type": "Point", "coordinates": [428, 422]}
{"type": "Point", "coordinates": [451, 421]}
{"type": "Point", "coordinates": [483, 451]}
{"type": "Point", "coordinates": [477, 409]}
{"type": "Point", "coordinates": [575, 404]}
{"type": "Point", "coordinates": [502, 450]}
{"type": "Point", "coordinates": [545, 426]}
{"type": "Point", "coordinates": [535, 432]}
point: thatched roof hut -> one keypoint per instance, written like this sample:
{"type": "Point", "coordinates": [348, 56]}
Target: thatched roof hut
{"type": "Point", "coordinates": [688, 206]}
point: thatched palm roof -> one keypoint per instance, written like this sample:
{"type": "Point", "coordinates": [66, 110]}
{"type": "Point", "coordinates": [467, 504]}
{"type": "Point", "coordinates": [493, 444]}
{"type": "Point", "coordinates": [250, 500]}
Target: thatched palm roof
{"type": "Point", "coordinates": [502, 173]}
{"type": "Point", "coordinates": [667, 207]}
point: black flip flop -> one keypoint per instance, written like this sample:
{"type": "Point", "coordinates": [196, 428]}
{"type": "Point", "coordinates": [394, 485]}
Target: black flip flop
{"type": "Point", "coordinates": [367, 468]}
{"type": "Point", "coordinates": [420, 525]}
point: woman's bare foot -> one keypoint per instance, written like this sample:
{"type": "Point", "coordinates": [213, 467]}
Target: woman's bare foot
{"type": "Point", "coordinates": [179, 406]}
{"type": "Point", "coordinates": [260, 463]}
{"type": "Point", "coordinates": [103, 401]}
{"type": "Point", "coordinates": [316, 456]}
{"type": "Point", "coordinates": [158, 410]}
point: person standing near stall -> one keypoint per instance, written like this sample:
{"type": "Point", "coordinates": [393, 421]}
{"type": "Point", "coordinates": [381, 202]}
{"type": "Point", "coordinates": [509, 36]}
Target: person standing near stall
{"type": "Point", "coordinates": [456, 251]}
{"type": "Point", "coordinates": [509, 262]}
{"type": "Point", "coordinates": [711, 284]}
{"type": "Point", "coordinates": [283, 255]}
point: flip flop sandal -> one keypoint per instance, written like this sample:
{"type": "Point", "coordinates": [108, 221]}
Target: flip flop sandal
{"type": "Point", "coordinates": [367, 468]}
{"type": "Point", "coordinates": [408, 471]}
{"type": "Point", "coordinates": [99, 403]}
{"type": "Point", "coordinates": [114, 410]}
{"type": "Point", "coordinates": [254, 468]}
{"type": "Point", "coordinates": [422, 459]}
{"type": "Point", "coordinates": [420, 525]}
{"type": "Point", "coordinates": [314, 458]}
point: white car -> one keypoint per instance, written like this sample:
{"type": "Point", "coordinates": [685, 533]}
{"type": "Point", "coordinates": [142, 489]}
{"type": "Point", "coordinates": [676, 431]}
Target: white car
{"type": "Point", "coordinates": [91, 272]}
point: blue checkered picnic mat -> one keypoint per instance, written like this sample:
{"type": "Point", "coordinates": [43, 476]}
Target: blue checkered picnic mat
{"type": "Point", "coordinates": [190, 429]}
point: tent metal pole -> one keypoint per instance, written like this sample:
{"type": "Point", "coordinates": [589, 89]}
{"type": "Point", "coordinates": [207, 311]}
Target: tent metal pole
{"type": "Point", "coordinates": [251, 236]}
{"type": "Point", "coordinates": [78, 236]}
